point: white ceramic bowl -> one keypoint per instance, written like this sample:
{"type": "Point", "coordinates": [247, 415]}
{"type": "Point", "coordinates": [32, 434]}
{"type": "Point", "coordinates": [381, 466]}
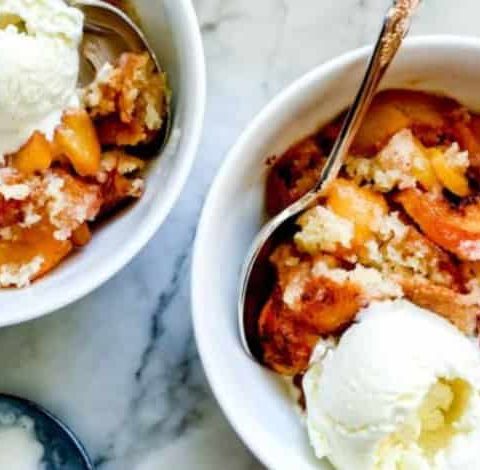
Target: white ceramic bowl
{"type": "Point", "coordinates": [254, 399]}
{"type": "Point", "coordinates": [172, 28]}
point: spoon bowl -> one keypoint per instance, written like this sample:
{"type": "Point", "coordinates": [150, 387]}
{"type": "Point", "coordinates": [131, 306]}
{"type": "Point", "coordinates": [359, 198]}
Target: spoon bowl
{"type": "Point", "coordinates": [62, 450]}
{"type": "Point", "coordinates": [108, 32]}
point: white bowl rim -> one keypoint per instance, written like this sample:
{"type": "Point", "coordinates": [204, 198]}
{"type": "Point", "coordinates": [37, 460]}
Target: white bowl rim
{"type": "Point", "coordinates": [234, 415]}
{"type": "Point", "coordinates": [146, 231]}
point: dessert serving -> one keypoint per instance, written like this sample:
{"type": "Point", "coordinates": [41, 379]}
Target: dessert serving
{"type": "Point", "coordinates": [375, 298]}
{"type": "Point", "coordinates": [68, 156]}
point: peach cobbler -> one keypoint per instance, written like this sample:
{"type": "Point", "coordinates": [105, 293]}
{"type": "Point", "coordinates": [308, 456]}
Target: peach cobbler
{"type": "Point", "coordinates": [68, 157]}
{"type": "Point", "coordinates": [401, 221]}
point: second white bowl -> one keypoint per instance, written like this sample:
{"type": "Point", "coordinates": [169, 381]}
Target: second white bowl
{"type": "Point", "coordinates": [255, 400]}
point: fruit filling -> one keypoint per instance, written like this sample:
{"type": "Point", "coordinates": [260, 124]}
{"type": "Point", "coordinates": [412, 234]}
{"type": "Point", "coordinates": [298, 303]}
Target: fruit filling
{"type": "Point", "coordinates": [402, 220]}
{"type": "Point", "coordinates": [53, 190]}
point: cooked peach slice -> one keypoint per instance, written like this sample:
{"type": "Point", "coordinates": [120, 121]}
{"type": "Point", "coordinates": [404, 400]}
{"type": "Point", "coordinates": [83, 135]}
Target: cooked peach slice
{"type": "Point", "coordinates": [422, 168]}
{"type": "Point", "coordinates": [452, 178]}
{"type": "Point", "coordinates": [456, 230]}
{"type": "Point", "coordinates": [381, 123]}
{"type": "Point", "coordinates": [77, 139]}
{"type": "Point", "coordinates": [452, 305]}
{"type": "Point", "coordinates": [424, 173]}
{"type": "Point", "coordinates": [35, 155]}
{"type": "Point", "coordinates": [361, 206]}
{"type": "Point", "coordinates": [30, 243]}
{"type": "Point", "coordinates": [394, 110]}
{"type": "Point", "coordinates": [422, 109]}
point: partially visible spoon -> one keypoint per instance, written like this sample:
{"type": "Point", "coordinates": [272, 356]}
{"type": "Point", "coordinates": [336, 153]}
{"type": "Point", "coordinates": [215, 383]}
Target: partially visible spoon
{"type": "Point", "coordinates": [256, 277]}
{"type": "Point", "coordinates": [61, 449]}
{"type": "Point", "coordinates": [109, 32]}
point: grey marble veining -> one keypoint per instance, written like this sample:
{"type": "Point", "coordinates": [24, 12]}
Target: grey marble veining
{"type": "Point", "coordinates": [120, 366]}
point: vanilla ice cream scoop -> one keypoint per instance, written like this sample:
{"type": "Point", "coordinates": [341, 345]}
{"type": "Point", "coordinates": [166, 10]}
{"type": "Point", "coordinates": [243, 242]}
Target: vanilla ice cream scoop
{"type": "Point", "coordinates": [401, 391]}
{"type": "Point", "coordinates": [39, 66]}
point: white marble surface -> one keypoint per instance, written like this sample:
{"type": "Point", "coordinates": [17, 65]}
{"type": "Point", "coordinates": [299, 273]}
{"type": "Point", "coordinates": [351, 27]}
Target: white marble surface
{"type": "Point", "coordinates": [120, 366]}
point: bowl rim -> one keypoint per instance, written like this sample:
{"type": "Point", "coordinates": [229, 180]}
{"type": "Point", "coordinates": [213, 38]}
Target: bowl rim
{"type": "Point", "coordinates": [234, 415]}
{"type": "Point", "coordinates": [197, 102]}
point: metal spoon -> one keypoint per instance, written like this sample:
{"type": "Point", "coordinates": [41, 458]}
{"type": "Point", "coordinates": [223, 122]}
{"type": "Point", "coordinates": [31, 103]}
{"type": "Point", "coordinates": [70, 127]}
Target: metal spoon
{"type": "Point", "coordinates": [257, 276]}
{"type": "Point", "coordinates": [108, 32]}
{"type": "Point", "coordinates": [62, 450]}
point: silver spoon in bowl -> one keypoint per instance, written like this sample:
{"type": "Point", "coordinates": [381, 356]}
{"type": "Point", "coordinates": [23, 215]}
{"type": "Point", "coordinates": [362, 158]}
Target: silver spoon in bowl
{"type": "Point", "coordinates": [108, 32]}
{"type": "Point", "coordinates": [257, 275]}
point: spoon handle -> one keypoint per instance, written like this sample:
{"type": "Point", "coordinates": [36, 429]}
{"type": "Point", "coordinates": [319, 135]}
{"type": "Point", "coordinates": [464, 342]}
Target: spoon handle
{"type": "Point", "coordinates": [395, 28]}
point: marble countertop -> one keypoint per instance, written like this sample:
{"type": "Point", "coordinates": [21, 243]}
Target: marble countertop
{"type": "Point", "coordinates": [120, 366]}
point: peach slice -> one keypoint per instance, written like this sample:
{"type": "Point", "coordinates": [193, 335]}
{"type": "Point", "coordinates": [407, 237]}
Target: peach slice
{"type": "Point", "coordinates": [394, 110]}
{"type": "Point", "coordinates": [456, 230]}
{"type": "Point", "coordinates": [381, 123]}
{"type": "Point", "coordinates": [35, 155]}
{"type": "Point", "coordinates": [37, 240]}
{"type": "Point", "coordinates": [422, 109]}
{"type": "Point", "coordinates": [77, 139]}
{"type": "Point", "coordinates": [361, 206]}
{"type": "Point", "coordinates": [422, 168]}
{"type": "Point", "coordinates": [451, 178]}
